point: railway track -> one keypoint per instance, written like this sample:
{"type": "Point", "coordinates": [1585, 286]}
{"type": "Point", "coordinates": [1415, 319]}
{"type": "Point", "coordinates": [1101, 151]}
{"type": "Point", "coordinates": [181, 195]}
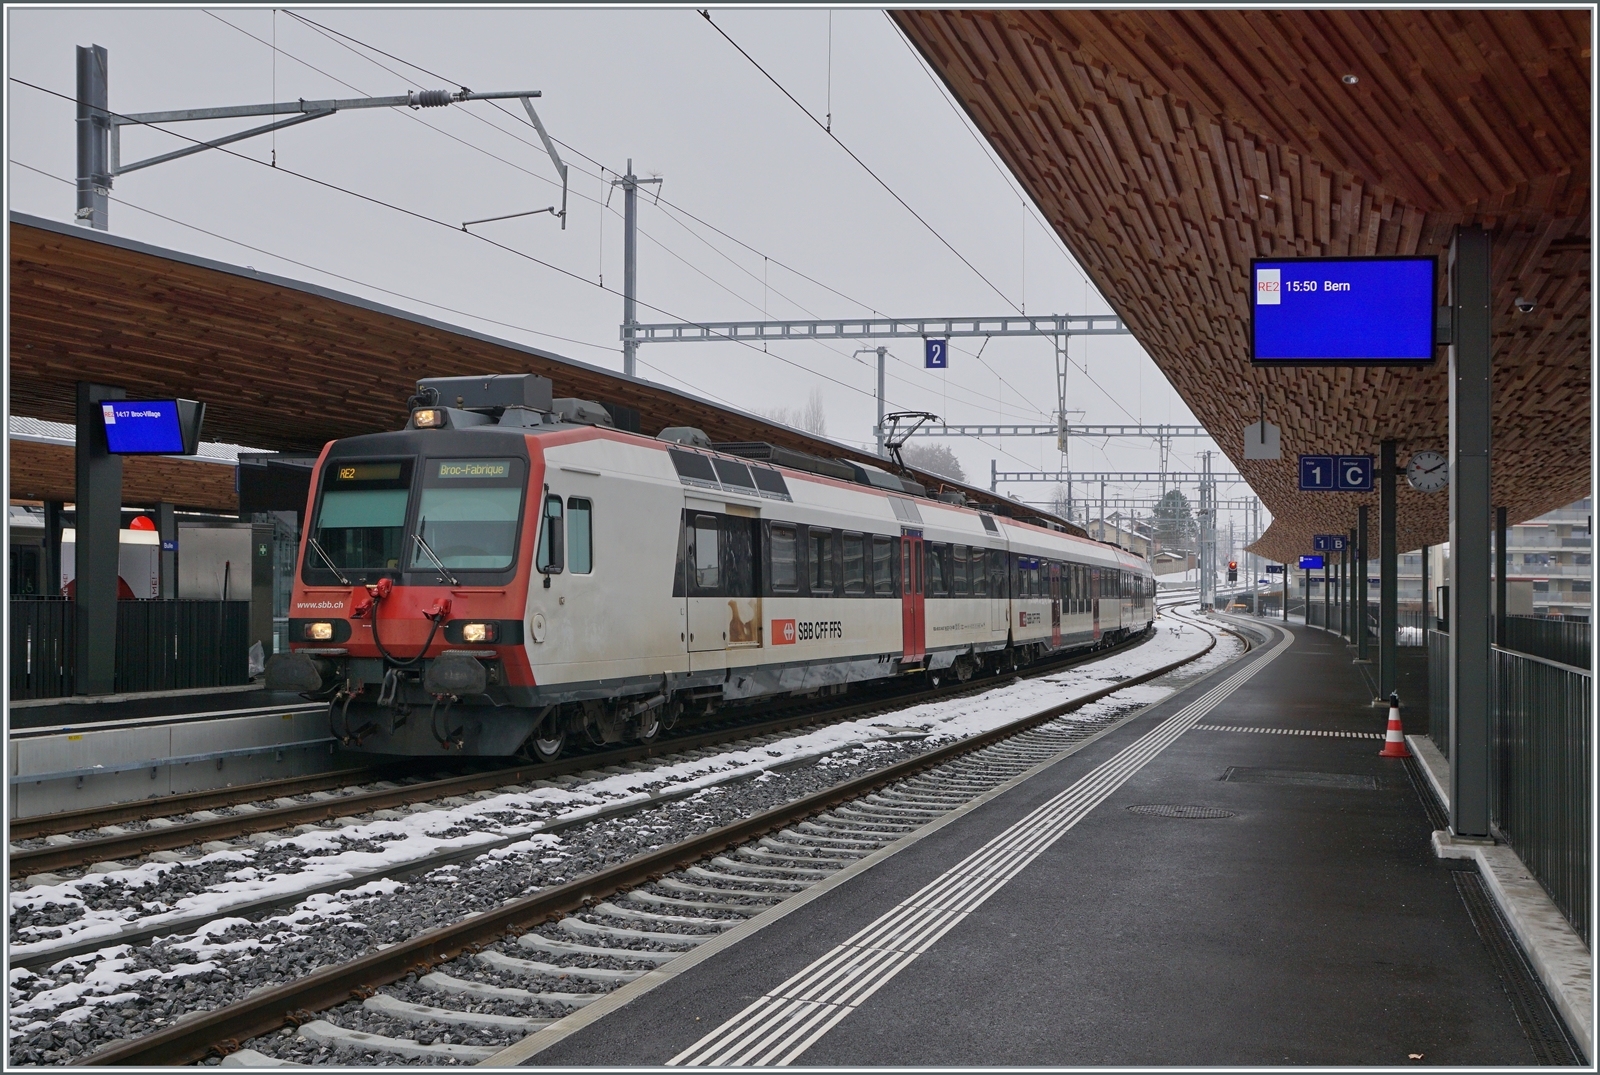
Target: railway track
{"type": "Point", "coordinates": [98, 835]}
{"type": "Point", "coordinates": [524, 964]}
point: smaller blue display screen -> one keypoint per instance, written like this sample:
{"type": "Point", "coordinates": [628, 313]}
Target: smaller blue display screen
{"type": "Point", "coordinates": [142, 427]}
{"type": "Point", "coordinates": [1342, 310]}
{"type": "Point", "coordinates": [1310, 563]}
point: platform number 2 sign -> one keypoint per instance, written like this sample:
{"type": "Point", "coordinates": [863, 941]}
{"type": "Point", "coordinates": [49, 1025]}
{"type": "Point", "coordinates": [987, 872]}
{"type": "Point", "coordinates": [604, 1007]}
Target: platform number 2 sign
{"type": "Point", "coordinates": [936, 354]}
{"type": "Point", "coordinates": [1336, 473]}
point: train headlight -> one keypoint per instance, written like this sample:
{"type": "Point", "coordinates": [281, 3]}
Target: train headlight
{"type": "Point", "coordinates": [478, 632]}
{"type": "Point", "coordinates": [319, 632]}
{"type": "Point", "coordinates": [429, 418]}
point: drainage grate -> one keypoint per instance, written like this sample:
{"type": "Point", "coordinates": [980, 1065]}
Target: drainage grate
{"type": "Point", "coordinates": [1204, 813]}
{"type": "Point", "coordinates": [1547, 1035]}
{"type": "Point", "coordinates": [1243, 774]}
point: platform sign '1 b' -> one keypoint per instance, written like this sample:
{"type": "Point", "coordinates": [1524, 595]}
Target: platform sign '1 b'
{"type": "Point", "coordinates": [936, 354]}
{"type": "Point", "coordinates": [1328, 542]}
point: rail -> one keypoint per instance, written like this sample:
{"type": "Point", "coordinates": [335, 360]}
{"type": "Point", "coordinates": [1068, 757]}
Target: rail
{"type": "Point", "coordinates": [220, 1030]}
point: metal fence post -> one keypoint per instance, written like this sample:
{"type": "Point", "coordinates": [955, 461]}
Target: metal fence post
{"type": "Point", "coordinates": [1361, 585]}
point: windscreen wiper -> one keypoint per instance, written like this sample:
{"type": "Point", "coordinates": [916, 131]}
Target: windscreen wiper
{"type": "Point", "coordinates": [422, 543]}
{"type": "Point", "coordinates": [327, 560]}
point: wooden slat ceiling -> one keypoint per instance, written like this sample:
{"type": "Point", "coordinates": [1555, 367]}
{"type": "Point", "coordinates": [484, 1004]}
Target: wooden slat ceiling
{"type": "Point", "coordinates": [281, 365]}
{"type": "Point", "coordinates": [1168, 148]}
{"type": "Point", "coordinates": [46, 472]}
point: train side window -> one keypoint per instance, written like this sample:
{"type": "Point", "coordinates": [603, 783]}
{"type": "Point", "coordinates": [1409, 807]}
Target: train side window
{"type": "Point", "coordinates": [855, 564]}
{"type": "Point", "coordinates": [883, 566]}
{"type": "Point", "coordinates": [998, 576]}
{"type": "Point", "coordinates": [785, 559]}
{"type": "Point", "coordinates": [979, 569]}
{"type": "Point", "coordinates": [819, 551]}
{"type": "Point", "coordinates": [938, 569]}
{"type": "Point", "coordinates": [958, 570]}
{"type": "Point", "coordinates": [550, 556]}
{"type": "Point", "coordinates": [580, 535]}
{"type": "Point", "coordinates": [739, 559]}
{"type": "Point", "coordinates": [705, 555]}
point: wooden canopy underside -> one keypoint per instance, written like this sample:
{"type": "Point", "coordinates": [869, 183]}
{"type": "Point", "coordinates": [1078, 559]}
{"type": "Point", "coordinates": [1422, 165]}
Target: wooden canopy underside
{"type": "Point", "coordinates": [1168, 148]}
{"type": "Point", "coordinates": [281, 365]}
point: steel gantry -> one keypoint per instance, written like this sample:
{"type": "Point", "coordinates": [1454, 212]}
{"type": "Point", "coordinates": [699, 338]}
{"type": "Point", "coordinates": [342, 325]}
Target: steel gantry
{"type": "Point", "coordinates": [1060, 327]}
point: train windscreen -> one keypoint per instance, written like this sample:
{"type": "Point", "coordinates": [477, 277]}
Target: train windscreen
{"type": "Point", "coordinates": [361, 518]}
{"type": "Point", "coordinates": [470, 513]}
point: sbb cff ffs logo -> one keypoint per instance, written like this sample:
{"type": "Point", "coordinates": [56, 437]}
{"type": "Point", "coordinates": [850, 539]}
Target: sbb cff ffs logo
{"type": "Point", "coordinates": [1233, 571]}
{"type": "Point", "coordinates": [783, 632]}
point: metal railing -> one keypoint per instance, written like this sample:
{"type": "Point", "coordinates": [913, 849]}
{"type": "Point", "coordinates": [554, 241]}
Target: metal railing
{"type": "Point", "coordinates": [1439, 690]}
{"type": "Point", "coordinates": [161, 645]}
{"type": "Point", "coordinates": [1563, 641]}
{"type": "Point", "coordinates": [1540, 789]}
{"type": "Point", "coordinates": [42, 653]}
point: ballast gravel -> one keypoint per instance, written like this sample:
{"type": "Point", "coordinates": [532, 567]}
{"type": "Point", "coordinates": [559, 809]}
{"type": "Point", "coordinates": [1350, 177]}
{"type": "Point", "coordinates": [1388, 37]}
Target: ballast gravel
{"type": "Point", "coordinates": [119, 992]}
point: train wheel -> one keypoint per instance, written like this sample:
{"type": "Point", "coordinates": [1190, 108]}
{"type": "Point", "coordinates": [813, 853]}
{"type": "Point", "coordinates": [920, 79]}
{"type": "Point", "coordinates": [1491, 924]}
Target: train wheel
{"type": "Point", "coordinates": [650, 725]}
{"type": "Point", "coordinates": [548, 739]}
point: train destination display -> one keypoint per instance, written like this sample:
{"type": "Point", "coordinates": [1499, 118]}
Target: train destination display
{"type": "Point", "coordinates": [1343, 311]}
{"type": "Point", "coordinates": [152, 426]}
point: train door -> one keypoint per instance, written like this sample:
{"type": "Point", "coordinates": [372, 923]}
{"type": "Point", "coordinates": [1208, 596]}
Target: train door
{"type": "Point", "coordinates": [1094, 598]}
{"type": "Point", "coordinates": [999, 592]}
{"type": "Point", "coordinates": [913, 622]}
{"type": "Point", "coordinates": [1055, 605]}
{"type": "Point", "coordinates": [707, 611]}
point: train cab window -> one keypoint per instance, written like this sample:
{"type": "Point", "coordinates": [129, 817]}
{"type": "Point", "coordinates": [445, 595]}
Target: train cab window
{"type": "Point", "coordinates": [470, 512]}
{"type": "Point", "coordinates": [784, 553]}
{"type": "Point", "coordinates": [580, 535]}
{"type": "Point", "coordinates": [885, 566]}
{"type": "Point", "coordinates": [819, 551]}
{"type": "Point", "coordinates": [855, 564]}
{"type": "Point", "coordinates": [979, 571]}
{"type": "Point", "coordinates": [958, 570]}
{"type": "Point", "coordinates": [705, 555]}
{"type": "Point", "coordinates": [360, 520]}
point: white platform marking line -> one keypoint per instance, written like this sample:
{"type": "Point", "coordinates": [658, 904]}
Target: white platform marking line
{"type": "Point", "coordinates": [1287, 731]}
{"type": "Point", "coordinates": [775, 1030]}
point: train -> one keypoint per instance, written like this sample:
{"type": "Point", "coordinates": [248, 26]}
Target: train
{"type": "Point", "coordinates": [511, 574]}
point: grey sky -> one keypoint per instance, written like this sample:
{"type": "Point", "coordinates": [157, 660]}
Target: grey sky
{"type": "Point", "coordinates": [659, 86]}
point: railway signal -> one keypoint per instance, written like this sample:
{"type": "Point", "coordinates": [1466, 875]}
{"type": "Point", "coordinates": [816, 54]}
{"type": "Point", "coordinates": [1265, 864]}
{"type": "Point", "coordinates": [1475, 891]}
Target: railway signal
{"type": "Point", "coordinates": [1233, 571]}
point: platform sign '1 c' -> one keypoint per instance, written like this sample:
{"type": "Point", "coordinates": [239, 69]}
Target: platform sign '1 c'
{"type": "Point", "coordinates": [1336, 473]}
{"type": "Point", "coordinates": [936, 354]}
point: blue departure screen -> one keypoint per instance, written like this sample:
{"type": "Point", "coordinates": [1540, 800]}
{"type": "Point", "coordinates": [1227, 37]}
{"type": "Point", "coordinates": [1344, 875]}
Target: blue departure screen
{"type": "Point", "coordinates": [1342, 310]}
{"type": "Point", "coordinates": [143, 427]}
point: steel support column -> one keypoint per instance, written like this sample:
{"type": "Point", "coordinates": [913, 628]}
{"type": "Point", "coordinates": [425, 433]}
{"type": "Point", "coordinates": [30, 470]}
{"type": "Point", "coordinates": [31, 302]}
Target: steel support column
{"type": "Point", "coordinates": [1362, 649]}
{"type": "Point", "coordinates": [96, 547]}
{"type": "Point", "coordinates": [1388, 574]}
{"type": "Point", "coordinates": [1427, 595]}
{"type": "Point", "coordinates": [1471, 397]}
{"type": "Point", "coordinates": [167, 531]}
{"type": "Point", "coordinates": [52, 549]}
{"type": "Point", "coordinates": [94, 139]}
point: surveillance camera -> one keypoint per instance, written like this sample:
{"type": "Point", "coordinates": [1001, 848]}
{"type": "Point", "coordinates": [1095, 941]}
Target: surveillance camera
{"type": "Point", "coordinates": [1525, 305]}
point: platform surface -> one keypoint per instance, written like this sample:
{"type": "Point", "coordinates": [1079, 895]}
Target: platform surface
{"type": "Point", "coordinates": [1314, 926]}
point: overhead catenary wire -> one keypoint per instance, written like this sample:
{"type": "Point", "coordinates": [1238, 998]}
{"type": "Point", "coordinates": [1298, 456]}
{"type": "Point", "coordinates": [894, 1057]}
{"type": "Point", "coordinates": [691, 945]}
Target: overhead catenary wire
{"type": "Point", "coordinates": [852, 154]}
{"type": "Point", "coordinates": [455, 230]}
{"type": "Point", "coordinates": [334, 36]}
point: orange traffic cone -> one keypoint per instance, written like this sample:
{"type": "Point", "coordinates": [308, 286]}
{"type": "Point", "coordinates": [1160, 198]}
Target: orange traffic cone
{"type": "Point", "coordinates": [1394, 745]}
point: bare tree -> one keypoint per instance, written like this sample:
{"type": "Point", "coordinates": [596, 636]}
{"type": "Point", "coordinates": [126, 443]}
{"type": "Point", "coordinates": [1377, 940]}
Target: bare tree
{"type": "Point", "coordinates": [934, 459]}
{"type": "Point", "coordinates": [810, 418]}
